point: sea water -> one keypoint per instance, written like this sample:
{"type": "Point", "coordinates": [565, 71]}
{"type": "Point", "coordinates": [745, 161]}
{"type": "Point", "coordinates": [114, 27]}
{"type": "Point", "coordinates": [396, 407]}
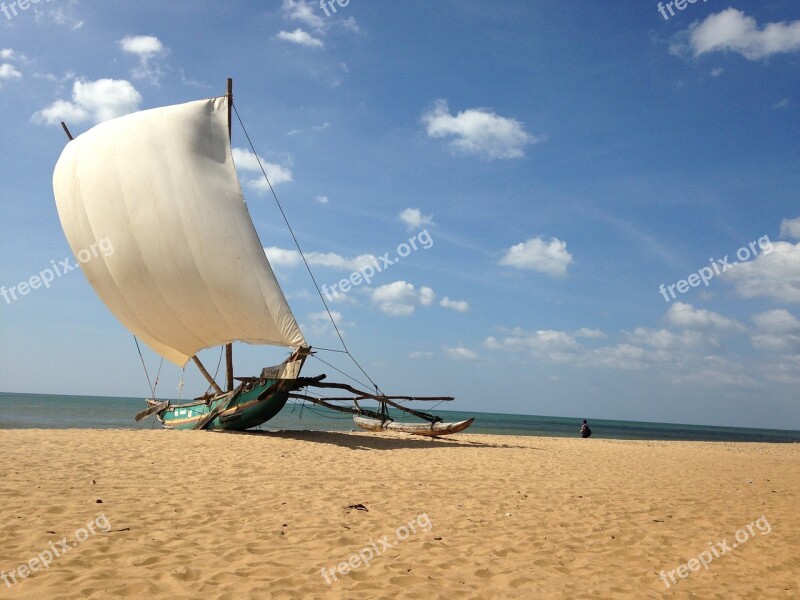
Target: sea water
{"type": "Point", "coordinates": [40, 411]}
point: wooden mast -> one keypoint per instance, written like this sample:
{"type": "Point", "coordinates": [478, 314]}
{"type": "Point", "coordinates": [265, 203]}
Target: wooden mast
{"type": "Point", "coordinates": [229, 347]}
{"type": "Point", "coordinates": [66, 130]}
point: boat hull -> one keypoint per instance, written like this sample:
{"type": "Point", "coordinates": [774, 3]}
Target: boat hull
{"type": "Point", "coordinates": [415, 428]}
{"type": "Point", "coordinates": [250, 408]}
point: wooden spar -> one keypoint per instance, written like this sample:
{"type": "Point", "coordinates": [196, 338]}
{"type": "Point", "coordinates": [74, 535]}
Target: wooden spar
{"type": "Point", "coordinates": [206, 374]}
{"type": "Point", "coordinates": [347, 409]}
{"type": "Point", "coordinates": [151, 410]}
{"type": "Point", "coordinates": [66, 130]}
{"type": "Point", "coordinates": [372, 421]}
{"type": "Point", "coordinates": [384, 399]}
{"type": "Point", "coordinates": [229, 347]}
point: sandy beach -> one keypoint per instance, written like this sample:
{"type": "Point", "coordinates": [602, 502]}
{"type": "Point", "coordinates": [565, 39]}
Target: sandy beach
{"type": "Point", "coordinates": [159, 514]}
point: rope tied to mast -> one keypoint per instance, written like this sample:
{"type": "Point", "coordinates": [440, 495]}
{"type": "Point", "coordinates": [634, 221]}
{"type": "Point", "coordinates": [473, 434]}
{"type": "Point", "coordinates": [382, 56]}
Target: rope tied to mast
{"type": "Point", "coordinates": [300, 250]}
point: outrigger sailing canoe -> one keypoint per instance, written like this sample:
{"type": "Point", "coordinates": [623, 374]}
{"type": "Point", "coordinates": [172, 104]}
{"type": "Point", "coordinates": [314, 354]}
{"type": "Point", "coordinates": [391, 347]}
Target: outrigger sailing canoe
{"type": "Point", "coordinates": [188, 271]}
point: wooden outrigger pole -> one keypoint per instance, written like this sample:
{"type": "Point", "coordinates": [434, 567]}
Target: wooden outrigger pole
{"type": "Point", "coordinates": [362, 395]}
{"type": "Point", "coordinates": [381, 421]}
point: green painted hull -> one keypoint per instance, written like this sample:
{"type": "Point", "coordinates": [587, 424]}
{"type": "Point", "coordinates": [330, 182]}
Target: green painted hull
{"type": "Point", "coordinates": [245, 412]}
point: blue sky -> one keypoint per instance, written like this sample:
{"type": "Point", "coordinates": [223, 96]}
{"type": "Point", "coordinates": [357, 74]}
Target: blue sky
{"type": "Point", "coordinates": [563, 160]}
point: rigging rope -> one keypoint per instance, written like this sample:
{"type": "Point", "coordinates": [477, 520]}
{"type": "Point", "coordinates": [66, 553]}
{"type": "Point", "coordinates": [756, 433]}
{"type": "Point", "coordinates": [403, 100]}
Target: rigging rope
{"type": "Point", "coordinates": [152, 390]}
{"type": "Point", "coordinates": [340, 371]}
{"type": "Point", "coordinates": [318, 349]}
{"type": "Point", "coordinates": [219, 363]}
{"type": "Point", "coordinates": [158, 376]}
{"type": "Point", "coordinates": [305, 262]}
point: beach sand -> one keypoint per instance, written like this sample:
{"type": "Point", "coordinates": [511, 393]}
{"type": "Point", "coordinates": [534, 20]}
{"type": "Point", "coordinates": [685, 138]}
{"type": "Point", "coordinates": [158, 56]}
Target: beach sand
{"type": "Point", "coordinates": [220, 515]}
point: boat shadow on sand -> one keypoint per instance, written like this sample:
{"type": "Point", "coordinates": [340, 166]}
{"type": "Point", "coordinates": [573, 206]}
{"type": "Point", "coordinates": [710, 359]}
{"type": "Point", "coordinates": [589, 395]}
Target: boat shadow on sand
{"type": "Point", "coordinates": [369, 441]}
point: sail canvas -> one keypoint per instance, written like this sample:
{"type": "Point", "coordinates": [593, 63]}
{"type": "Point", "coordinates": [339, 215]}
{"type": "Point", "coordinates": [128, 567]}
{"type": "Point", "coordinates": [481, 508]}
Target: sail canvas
{"type": "Point", "coordinates": [188, 270]}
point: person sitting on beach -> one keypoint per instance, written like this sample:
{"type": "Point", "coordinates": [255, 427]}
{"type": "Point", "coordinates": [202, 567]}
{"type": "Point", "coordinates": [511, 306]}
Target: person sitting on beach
{"type": "Point", "coordinates": [585, 431]}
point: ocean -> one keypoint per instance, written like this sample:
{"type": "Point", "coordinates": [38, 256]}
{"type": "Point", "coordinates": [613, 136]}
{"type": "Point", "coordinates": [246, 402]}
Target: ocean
{"type": "Point", "coordinates": [40, 411]}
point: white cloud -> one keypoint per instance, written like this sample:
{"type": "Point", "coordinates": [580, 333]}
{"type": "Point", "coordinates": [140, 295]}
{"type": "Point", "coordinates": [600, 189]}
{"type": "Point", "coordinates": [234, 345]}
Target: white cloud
{"type": "Point", "coordinates": [322, 199]}
{"type": "Point", "coordinates": [687, 316]}
{"type": "Point", "coordinates": [673, 357]}
{"type": "Point", "coordinates": [97, 100]}
{"type": "Point", "coordinates": [247, 162]}
{"type": "Point", "coordinates": [460, 353]}
{"type": "Point", "coordinates": [775, 275]}
{"type": "Point", "coordinates": [790, 228]}
{"type": "Point", "coordinates": [544, 343]}
{"type": "Point", "coordinates": [67, 76]}
{"type": "Point", "coordinates": [298, 36]}
{"type": "Point", "coordinates": [414, 219]}
{"type": "Point", "coordinates": [732, 31]}
{"type": "Point", "coordinates": [62, 14]}
{"type": "Point", "coordinates": [350, 24]}
{"type": "Point", "coordinates": [9, 72]}
{"type": "Point", "coordinates": [777, 321]}
{"type": "Point", "coordinates": [305, 12]}
{"type": "Point", "coordinates": [626, 357]}
{"type": "Point", "coordinates": [419, 354]}
{"type": "Point", "coordinates": [784, 369]}
{"type": "Point", "coordinates": [640, 350]}
{"type": "Point", "coordinates": [561, 347]}
{"type": "Point", "coordinates": [320, 324]}
{"type": "Point", "coordinates": [664, 339]}
{"type": "Point", "coordinates": [144, 46]}
{"type": "Point", "coordinates": [585, 332]}
{"type": "Point", "coordinates": [61, 110]}
{"type": "Point", "coordinates": [717, 72]}
{"type": "Point", "coordinates": [457, 305]}
{"type": "Point", "coordinates": [782, 103]}
{"type": "Point", "coordinates": [478, 131]}
{"type": "Point", "coordinates": [426, 296]}
{"type": "Point", "coordinates": [536, 254]}
{"type": "Point", "coordinates": [281, 257]}
{"type": "Point", "coordinates": [149, 50]}
{"type": "Point", "coordinates": [400, 298]}
{"type": "Point", "coordinates": [778, 331]}
{"type": "Point", "coordinates": [716, 371]}
{"type": "Point", "coordinates": [313, 128]}
{"type": "Point", "coordinates": [778, 343]}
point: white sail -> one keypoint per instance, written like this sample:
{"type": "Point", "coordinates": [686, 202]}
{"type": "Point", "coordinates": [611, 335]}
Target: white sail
{"type": "Point", "coordinates": [187, 270]}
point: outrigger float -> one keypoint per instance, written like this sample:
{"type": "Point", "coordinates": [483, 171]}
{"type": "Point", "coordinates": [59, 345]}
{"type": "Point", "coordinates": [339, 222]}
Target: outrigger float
{"type": "Point", "coordinates": [188, 271]}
